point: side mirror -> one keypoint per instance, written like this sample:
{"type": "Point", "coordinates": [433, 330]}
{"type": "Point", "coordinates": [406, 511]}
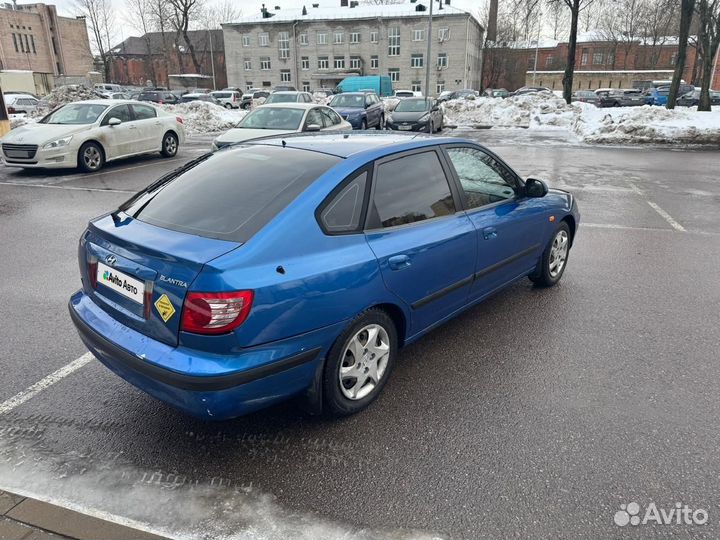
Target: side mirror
{"type": "Point", "coordinates": [313, 127]}
{"type": "Point", "coordinates": [114, 121]}
{"type": "Point", "coordinates": [435, 108]}
{"type": "Point", "coordinates": [535, 188]}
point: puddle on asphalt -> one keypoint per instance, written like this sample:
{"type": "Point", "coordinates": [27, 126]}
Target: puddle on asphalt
{"type": "Point", "coordinates": [168, 503]}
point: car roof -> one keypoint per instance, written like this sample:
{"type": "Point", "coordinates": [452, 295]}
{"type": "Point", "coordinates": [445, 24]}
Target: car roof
{"type": "Point", "coordinates": [347, 144]}
{"type": "Point", "coordinates": [280, 92]}
{"type": "Point", "coordinates": [291, 105]}
{"type": "Point", "coordinates": [358, 93]}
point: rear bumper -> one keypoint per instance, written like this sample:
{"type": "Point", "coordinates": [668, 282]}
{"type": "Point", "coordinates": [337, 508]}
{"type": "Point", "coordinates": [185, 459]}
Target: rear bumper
{"type": "Point", "coordinates": [224, 386]}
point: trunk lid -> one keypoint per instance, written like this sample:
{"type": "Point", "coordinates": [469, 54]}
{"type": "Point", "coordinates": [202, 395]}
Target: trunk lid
{"type": "Point", "coordinates": [144, 271]}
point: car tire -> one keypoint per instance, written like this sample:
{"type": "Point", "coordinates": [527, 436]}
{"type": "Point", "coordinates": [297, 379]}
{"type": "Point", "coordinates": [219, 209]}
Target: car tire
{"type": "Point", "coordinates": [344, 394]}
{"type": "Point", "coordinates": [381, 122]}
{"type": "Point", "coordinates": [363, 125]}
{"type": "Point", "coordinates": [616, 104]}
{"type": "Point", "coordinates": [169, 145]}
{"type": "Point", "coordinates": [553, 262]}
{"type": "Point", "coordinates": [91, 157]}
{"type": "Point", "coordinates": [228, 106]}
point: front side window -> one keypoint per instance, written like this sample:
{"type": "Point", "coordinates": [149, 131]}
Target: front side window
{"type": "Point", "coordinates": [121, 112]}
{"type": "Point", "coordinates": [410, 189]}
{"type": "Point", "coordinates": [314, 118]}
{"type": "Point", "coordinates": [484, 181]}
{"type": "Point", "coordinates": [394, 41]}
{"type": "Point", "coordinates": [343, 212]}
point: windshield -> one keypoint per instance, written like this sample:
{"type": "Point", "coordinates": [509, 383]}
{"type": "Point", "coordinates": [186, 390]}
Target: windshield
{"type": "Point", "coordinates": [281, 98]}
{"type": "Point", "coordinates": [348, 100]}
{"type": "Point", "coordinates": [273, 118]}
{"type": "Point", "coordinates": [413, 105]}
{"type": "Point", "coordinates": [75, 113]}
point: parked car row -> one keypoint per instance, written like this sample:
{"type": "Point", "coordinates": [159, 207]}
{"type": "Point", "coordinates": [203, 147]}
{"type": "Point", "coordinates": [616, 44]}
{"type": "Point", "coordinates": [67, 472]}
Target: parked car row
{"type": "Point", "coordinates": [689, 96]}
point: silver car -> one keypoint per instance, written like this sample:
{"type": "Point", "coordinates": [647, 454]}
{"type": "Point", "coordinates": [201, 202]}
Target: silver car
{"type": "Point", "coordinates": [21, 103]}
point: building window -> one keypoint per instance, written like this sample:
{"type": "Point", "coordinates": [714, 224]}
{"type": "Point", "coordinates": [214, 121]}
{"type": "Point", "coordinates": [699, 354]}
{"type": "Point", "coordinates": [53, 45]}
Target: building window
{"type": "Point", "coordinates": [32, 42]}
{"type": "Point", "coordinates": [323, 62]}
{"type": "Point", "coordinates": [610, 60]}
{"type": "Point", "coordinates": [248, 64]}
{"type": "Point", "coordinates": [440, 87]}
{"type": "Point", "coordinates": [549, 60]}
{"type": "Point", "coordinates": [419, 34]}
{"type": "Point", "coordinates": [267, 84]}
{"type": "Point", "coordinates": [355, 37]}
{"type": "Point", "coordinates": [15, 43]}
{"type": "Point", "coordinates": [284, 75]}
{"type": "Point", "coordinates": [416, 60]}
{"type": "Point", "coordinates": [265, 63]}
{"type": "Point", "coordinates": [598, 58]}
{"type": "Point", "coordinates": [246, 41]}
{"type": "Point", "coordinates": [442, 61]}
{"type": "Point", "coordinates": [305, 62]}
{"type": "Point", "coordinates": [415, 86]}
{"type": "Point", "coordinates": [355, 62]}
{"type": "Point", "coordinates": [374, 62]}
{"type": "Point", "coordinates": [284, 44]}
{"type": "Point", "coordinates": [673, 59]}
{"type": "Point", "coordinates": [303, 39]}
{"type": "Point", "coordinates": [394, 41]}
{"type": "Point", "coordinates": [264, 40]}
{"type": "Point", "coordinates": [443, 34]}
{"type": "Point", "coordinates": [339, 62]}
{"type": "Point", "coordinates": [394, 74]}
{"type": "Point", "coordinates": [531, 62]}
{"type": "Point", "coordinates": [339, 37]}
{"type": "Point", "coordinates": [373, 36]}
{"type": "Point", "coordinates": [584, 57]}
{"type": "Point", "coordinates": [248, 85]}
{"type": "Point", "coordinates": [306, 86]}
{"type": "Point", "coordinates": [321, 38]}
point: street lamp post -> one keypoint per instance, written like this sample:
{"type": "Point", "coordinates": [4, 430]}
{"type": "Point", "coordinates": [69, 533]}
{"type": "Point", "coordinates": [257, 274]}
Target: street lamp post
{"type": "Point", "coordinates": [429, 47]}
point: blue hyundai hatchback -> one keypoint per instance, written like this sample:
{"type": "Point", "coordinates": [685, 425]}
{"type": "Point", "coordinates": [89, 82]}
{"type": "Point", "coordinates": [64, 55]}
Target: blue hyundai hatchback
{"type": "Point", "coordinates": [300, 266]}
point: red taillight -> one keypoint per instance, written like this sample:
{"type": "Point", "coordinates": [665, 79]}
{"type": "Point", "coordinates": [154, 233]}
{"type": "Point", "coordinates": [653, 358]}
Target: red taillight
{"type": "Point", "coordinates": [11, 110]}
{"type": "Point", "coordinates": [147, 299]}
{"type": "Point", "coordinates": [179, 120]}
{"type": "Point", "coordinates": [92, 270]}
{"type": "Point", "coordinates": [161, 102]}
{"type": "Point", "coordinates": [234, 98]}
{"type": "Point", "coordinates": [215, 313]}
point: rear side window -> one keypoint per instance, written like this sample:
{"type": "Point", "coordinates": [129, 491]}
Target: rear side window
{"type": "Point", "coordinates": [143, 112]}
{"type": "Point", "coordinates": [233, 193]}
{"type": "Point", "coordinates": [409, 189]}
{"type": "Point", "coordinates": [343, 212]}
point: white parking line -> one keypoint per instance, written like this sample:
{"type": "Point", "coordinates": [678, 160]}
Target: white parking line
{"type": "Point", "coordinates": [667, 217]}
{"type": "Point", "coordinates": [33, 390]}
{"type": "Point", "coordinates": [50, 186]}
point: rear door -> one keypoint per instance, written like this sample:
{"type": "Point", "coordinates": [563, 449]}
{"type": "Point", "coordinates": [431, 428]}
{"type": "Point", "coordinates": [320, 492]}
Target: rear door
{"type": "Point", "coordinates": [509, 226]}
{"type": "Point", "coordinates": [149, 128]}
{"type": "Point", "coordinates": [425, 247]}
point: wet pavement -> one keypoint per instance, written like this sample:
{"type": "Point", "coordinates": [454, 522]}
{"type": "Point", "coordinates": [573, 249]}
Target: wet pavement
{"type": "Point", "coordinates": [536, 414]}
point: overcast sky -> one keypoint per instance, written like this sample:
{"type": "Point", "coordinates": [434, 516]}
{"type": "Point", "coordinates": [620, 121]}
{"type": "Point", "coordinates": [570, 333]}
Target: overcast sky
{"type": "Point", "coordinates": [248, 7]}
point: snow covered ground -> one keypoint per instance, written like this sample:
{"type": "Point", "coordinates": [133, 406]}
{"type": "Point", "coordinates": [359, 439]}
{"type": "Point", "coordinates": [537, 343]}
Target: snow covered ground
{"type": "Point", "coordinates": [624, 125]}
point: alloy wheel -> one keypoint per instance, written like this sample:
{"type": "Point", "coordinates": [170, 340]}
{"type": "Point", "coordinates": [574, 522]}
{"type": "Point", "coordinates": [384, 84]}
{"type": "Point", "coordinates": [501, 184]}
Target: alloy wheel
{"type": "Point", "coordinates": [558, 253]}
{"type": "Point", "coordinates": [170, 145]}
{"type": "Point", "coordinates": [92, 158]}
{"type": "Point", "coordinates": [364, 361]}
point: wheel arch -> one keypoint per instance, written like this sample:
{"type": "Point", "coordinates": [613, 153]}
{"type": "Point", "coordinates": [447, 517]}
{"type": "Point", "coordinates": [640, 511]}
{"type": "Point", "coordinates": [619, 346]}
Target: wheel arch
{"type": "Point", "coordinates": [398, 317]}
{"type": "Point", "coordinates": [570, 220]}
{"type": "Point", "coordinates": [96, 141]}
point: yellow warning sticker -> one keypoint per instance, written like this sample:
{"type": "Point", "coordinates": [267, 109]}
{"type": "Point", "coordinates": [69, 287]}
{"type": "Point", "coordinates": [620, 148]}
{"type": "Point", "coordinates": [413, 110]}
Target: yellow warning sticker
{"type": "Point", "coordinates": [164, 307]}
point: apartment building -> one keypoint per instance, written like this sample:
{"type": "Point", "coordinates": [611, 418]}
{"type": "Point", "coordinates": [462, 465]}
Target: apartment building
{"type": "Point", "coordinates": [35, 38]}
{"type": "Point", "coordinates": [316, 47]}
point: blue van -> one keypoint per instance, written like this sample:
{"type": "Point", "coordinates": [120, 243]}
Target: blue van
{"type": "Point", "coordinates": [380, 84]}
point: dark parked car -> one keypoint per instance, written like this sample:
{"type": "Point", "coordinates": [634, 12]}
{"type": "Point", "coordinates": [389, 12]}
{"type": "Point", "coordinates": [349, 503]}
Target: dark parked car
{"type": "Point", "coordinates": [621, 98]}
{"type": "Point", "coordinates": [362, 109]}
{"type": "Point", "coordinates": [531, 90]}
{"type": "Point", "coordinates": [416, 114]}
{"type": "Point", "coordinates": [158, 96]}
{"type": "Point", "coordinates": [692, 99]}
{"type": "Point", "coordinates": [459, 94]}
{"type": "Point", "coordinates": [585, 96]}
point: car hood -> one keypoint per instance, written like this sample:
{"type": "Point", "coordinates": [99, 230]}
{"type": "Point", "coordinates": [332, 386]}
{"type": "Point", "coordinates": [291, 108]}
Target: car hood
{"type": "Point", "coordinates": [407, 116]}
{"type": "Point", "coordinates": [345, 111]}
{"type": "Point", "coordinates": [42, 133]}
{"type": "Point", "coordinates": [236, 135]}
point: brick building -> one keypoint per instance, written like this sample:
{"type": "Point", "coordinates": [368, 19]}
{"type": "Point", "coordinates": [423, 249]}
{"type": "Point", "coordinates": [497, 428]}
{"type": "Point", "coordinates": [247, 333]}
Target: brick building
{"type": "Point", "coordinates": [36, 39]}
{"type": "Point", "coordinates": [598, 63]}
{"type": "Point", "coordinates": [317, 47]}
{"type": "Point", "coordinates": [155, 56]}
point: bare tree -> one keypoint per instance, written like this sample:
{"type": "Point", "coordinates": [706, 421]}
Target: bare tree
{"type": "Point", "coordinates": [708, 42]}
{"type": "Point", "coordinates": [218, 13]}
{"type": "Point", "coordinates": [575, 7]}
{"type": "Point", "coordinates": [100, 20]}
{"type": "Point", "coordinates": [140, 15]}
{"type": "Point", "coordinates": [620, 26]}
{"type": "Point", "coordinates": [183, 12]}
{"type": "Point", "coordinates": [557, 19]}
{"type": "Point", "coordinates": [660, 19]}
{"type": "Point", "coordinates": [686, 13]}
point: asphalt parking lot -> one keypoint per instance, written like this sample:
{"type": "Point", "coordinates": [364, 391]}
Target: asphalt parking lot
{"type": "Point", "coordinates": [536, 414]}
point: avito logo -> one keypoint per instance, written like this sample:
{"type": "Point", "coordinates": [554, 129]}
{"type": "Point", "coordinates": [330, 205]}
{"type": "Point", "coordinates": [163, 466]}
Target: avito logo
{"type": "Point", "coordinates": [681, 514]}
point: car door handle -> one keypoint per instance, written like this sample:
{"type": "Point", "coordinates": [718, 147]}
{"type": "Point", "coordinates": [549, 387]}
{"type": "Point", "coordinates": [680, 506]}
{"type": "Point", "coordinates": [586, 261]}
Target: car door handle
{"type": "Point", "coordinates": [489, 233]}
{"type": "Point", "coordinates": [132, 127]}
{"type": "Point", "coordinates": [398, 262]}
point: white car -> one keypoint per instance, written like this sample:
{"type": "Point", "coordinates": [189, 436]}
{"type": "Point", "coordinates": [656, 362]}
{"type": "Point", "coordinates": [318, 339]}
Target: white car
{"type": "Point", "coordinates": [281, 119]}
{"type": "Point", "coordinates": [87, 134]}
{"type": "Point", "coordinates": [230, 99]}
{"type": "Point", "coordinates": [20, 103]}
{"type": "Point", "coordinates": [288, 96]}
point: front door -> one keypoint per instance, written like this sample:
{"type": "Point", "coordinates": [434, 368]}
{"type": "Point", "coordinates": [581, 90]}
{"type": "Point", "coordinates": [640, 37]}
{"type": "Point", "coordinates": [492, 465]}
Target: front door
{"type": "Point", "coordinates": [120, 139]}
{"type": "Point", "coordinates": [426, 249]}
{"type": "Point", "coordinates": [509, 225]}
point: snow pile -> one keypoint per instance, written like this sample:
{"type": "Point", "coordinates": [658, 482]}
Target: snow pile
{"type": "Point", "coordinates": [648, 125]}
{"type": "Point", "coordinates": [205, 117]}
{"type": "Point", "coordinates": [67, 94]}
{"type": "Point", "coordinates": [321, 98]}
{"type": "Point", "coordinates": [539, 109]}
{"type": "Point", "coordinates": [390, 103]}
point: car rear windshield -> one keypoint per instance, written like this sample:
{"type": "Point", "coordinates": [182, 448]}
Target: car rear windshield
{"type": "Point", "coordinates": [281, 98]}
{"type": "Point", "coordinates": [149, 95]}
{"type": "Point", "coordinates": [233, 193]}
